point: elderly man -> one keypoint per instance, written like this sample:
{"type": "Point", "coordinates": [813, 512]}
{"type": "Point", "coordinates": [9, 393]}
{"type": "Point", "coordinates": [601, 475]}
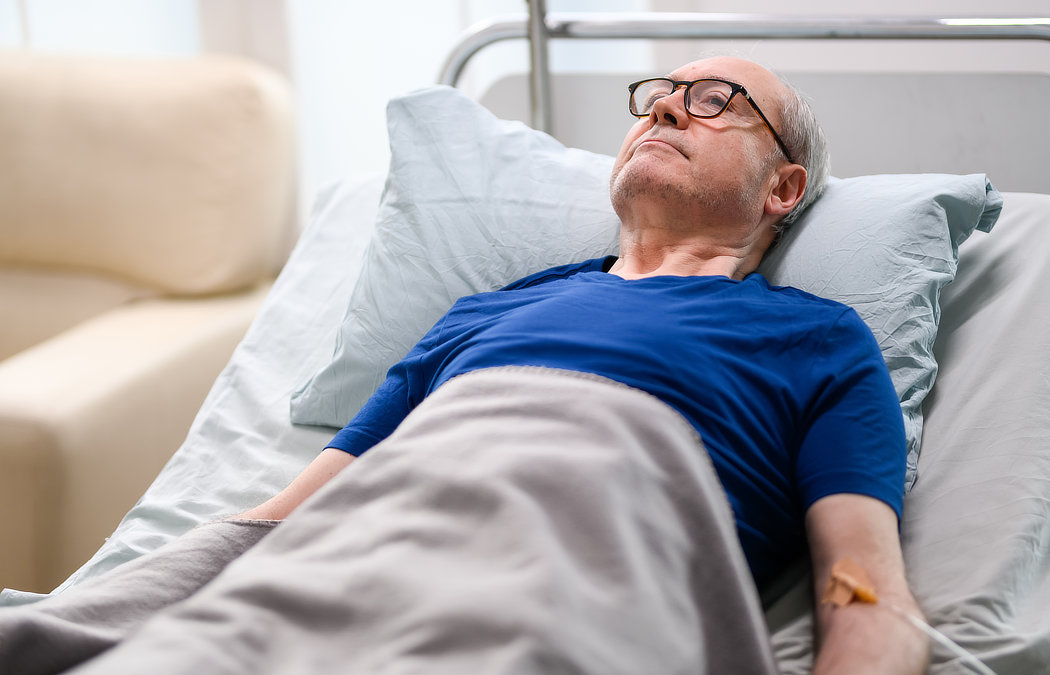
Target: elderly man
{"type": "Point", "coordinates": [787, 392]}
{"type": "Point", "coordinates": [702, 184]}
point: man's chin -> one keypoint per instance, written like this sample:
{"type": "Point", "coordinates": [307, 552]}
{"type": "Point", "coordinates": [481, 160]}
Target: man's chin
{"type": "Point", "coordinates": [632, 184]}
{"type": "Point", "coordinates": [677, 197]}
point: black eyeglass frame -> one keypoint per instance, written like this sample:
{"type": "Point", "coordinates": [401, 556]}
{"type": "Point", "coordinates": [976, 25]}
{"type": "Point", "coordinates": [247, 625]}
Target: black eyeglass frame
{"type": "Point", "coordinates": [688, 84]}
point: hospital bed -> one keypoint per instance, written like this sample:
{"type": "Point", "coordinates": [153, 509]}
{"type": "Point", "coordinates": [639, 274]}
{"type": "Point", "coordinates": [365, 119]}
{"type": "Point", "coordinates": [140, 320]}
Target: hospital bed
{"type": "Point", "coordinates": [472, 202]}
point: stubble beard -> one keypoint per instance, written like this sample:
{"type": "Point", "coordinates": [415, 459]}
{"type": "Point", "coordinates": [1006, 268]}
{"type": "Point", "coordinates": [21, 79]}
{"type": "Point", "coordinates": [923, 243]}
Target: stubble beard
{"type": "Point", "coordinates": [688, 199]}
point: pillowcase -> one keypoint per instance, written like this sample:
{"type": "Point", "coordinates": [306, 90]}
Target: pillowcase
{"type": "Point", "coordinates": [473, 203]}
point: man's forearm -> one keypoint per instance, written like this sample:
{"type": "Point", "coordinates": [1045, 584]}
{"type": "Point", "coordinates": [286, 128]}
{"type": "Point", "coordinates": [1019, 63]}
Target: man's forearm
{"type": "Point", "coordinates": [871, 639]}
{"type": "Point", "coordinates": [327, 464]}
{"type": "Point", "coordinates": [859, 534]}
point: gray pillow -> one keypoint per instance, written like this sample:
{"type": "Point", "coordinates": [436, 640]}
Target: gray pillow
{"type": "Point", "coordinates": [472, 203]}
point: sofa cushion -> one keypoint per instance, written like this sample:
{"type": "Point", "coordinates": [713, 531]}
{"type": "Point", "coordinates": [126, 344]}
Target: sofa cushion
{"type": "Point", "coordinates": [178, 174]}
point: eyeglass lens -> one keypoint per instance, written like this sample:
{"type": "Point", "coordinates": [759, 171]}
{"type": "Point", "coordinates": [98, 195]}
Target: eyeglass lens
{"type": "Point", "coordinates": [707, 98]}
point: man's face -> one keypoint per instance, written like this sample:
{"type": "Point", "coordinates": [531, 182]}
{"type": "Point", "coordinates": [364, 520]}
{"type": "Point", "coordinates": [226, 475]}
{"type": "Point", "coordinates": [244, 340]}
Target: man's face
{"type": "Point", "coordinates": [702, 169]}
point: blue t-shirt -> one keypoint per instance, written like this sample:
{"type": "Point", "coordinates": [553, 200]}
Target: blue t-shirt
{"type": "Point", "coordinates": [788, 391]}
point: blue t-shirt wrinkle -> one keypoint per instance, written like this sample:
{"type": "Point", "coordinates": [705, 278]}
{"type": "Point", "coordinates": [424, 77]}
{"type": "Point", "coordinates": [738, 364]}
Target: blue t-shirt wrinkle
{"type": "Point", "coordinates": [789, 392]}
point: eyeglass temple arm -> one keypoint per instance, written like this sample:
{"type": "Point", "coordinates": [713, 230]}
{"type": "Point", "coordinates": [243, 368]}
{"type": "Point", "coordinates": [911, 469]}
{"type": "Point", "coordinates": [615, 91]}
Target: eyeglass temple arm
{"type": "Point", "coordinates": [776, 136]}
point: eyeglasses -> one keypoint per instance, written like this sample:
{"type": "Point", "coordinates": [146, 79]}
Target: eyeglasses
{"type": "Point", "coordinates": [703, 98]}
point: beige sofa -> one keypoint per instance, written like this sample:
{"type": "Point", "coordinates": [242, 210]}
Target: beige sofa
{"type": "Point", "coordinates": [145, 206]}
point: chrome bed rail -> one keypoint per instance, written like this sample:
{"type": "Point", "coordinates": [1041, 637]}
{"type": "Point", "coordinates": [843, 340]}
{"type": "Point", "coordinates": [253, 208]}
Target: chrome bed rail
{"type": "Point", "coordinates": [538, 26]}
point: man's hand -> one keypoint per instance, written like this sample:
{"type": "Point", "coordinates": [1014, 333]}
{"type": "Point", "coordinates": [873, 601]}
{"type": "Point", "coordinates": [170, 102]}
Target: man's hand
{"type": "Point", "coordinates": [326, 465]}
{"type": "Point", "coordinates": [860, 638]}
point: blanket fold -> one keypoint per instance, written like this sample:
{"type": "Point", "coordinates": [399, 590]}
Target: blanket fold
{"type": "Point", "coordinates": [521, 520]}
{"type": "Point", "coordinates": [66, 629]}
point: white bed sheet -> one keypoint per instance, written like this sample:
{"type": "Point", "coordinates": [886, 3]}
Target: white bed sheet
{"type": "Point", "coordinates": [977, 525]}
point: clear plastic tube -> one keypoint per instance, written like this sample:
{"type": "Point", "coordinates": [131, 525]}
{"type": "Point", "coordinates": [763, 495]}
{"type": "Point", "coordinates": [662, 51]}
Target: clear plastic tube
{"type": "Point", "coordinates": [943, 640]}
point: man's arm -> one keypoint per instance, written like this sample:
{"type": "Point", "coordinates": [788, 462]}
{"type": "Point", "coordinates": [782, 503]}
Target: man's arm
{"type": "Point", "coordinates": [326, 465]}
{"type": "Point", "coordinates": [860, 638]}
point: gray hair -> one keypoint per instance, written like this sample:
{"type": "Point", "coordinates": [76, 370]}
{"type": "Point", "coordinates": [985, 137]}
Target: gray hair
{"type": "Point", "coordinates": [803, 136]}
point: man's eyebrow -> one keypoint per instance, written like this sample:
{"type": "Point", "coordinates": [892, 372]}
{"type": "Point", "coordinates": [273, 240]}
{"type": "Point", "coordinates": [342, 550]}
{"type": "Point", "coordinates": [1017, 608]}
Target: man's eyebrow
{"type": "Point", "coordinates": [710, 76]}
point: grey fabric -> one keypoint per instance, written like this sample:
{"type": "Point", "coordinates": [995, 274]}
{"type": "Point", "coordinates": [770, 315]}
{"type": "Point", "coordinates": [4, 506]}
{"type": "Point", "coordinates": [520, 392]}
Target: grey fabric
{"type": "Point", "coordinates": [68, 628]}
{"type": "Point", "coordinates": [519, 521]}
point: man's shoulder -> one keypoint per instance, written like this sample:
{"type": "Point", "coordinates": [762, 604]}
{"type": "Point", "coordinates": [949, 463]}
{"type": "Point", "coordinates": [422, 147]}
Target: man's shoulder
{"type": "Point", "coordinates": [787, 305]}
{"type": "Point", "coordinates": [793, 295]}
{"type": "Point", "coordinates": [559, 272]}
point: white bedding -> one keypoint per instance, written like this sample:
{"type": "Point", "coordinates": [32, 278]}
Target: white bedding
{"type": "Point", "coordinates": [976, 528]}
{"type": "Point", "coordinates": [977, 525]}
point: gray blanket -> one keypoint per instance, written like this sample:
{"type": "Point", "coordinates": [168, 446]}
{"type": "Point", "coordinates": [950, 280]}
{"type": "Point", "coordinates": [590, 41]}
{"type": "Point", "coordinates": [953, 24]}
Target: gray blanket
{"type": "Point", "coordinates": [521, 520]}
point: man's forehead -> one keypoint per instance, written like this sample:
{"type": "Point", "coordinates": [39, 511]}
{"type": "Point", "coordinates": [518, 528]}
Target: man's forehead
{"type": "Point", "coordinates": [697, 70]}
{"type": "Point", "coordinates": [733, 69]}
{"type": "Point", "coordinates": [683, 75]}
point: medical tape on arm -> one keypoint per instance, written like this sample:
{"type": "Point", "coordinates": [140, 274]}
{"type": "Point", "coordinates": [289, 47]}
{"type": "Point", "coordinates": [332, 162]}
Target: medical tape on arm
{"type": "Point", "coordinates": [849, 583]}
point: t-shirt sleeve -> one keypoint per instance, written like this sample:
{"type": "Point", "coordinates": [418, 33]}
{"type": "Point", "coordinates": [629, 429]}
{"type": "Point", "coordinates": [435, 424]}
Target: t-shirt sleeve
{"type": "Point", "coordinates": [378, 417]}
{"type": "Point", "coordinates": [854, 440]}
{"type": "Point", "coordinates": [396, 397]}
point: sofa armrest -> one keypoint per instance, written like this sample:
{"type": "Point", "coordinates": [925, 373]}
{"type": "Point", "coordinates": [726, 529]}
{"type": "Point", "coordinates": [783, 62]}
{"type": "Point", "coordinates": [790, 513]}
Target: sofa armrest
{"type": "Point", "coordinates": [88, 418]}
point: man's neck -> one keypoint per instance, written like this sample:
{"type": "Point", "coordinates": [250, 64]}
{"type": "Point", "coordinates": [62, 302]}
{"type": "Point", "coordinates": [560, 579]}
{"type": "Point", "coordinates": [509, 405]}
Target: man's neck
{"type": "Point", "coordinates": [678, 264]}
{"type": "Point", "coordinates": [650, 254]}
{"type": "Point", "coordinates": [655, 242]}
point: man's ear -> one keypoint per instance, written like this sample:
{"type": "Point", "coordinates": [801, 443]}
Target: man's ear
{"type": "Point", "coordinates": [788, 186]}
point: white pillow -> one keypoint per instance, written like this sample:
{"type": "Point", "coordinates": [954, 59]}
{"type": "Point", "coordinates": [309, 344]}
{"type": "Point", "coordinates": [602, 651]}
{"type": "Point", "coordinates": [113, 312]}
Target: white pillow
{"type": "Point", "coordinates": [472, 203]}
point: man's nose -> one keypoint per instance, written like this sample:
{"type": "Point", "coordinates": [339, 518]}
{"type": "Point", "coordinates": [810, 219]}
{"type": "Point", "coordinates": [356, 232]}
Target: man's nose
{"type": "Point", "coordinates": [671, 110]}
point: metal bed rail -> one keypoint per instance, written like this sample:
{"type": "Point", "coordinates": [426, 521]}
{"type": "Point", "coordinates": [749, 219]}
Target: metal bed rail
{"type": "Point", "coordinates": [538, 26]}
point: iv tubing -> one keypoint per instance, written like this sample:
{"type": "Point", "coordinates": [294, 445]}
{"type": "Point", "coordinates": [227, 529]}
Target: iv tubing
{"type": "Point", "coordinates": [943, 640]}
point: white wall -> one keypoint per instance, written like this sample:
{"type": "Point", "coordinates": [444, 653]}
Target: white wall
{"type": "Point", "coordinates": [10, 25]}
{"type": "Point", "coordinates": [154, 27]}
{"type": "Point", "coordinates": [349, 58]}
